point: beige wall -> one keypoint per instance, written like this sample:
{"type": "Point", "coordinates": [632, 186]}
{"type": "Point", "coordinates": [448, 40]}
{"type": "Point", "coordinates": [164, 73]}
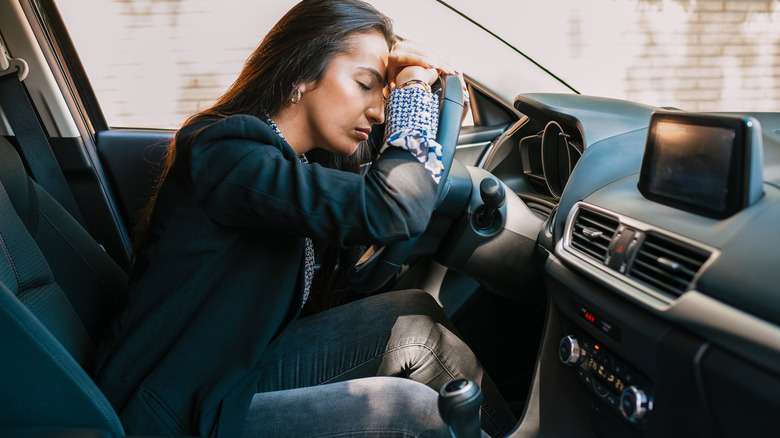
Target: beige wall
{"type": "Point", "coordinates": [722, 55]}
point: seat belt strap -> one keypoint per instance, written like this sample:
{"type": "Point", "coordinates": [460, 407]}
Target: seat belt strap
{"type": "Point", "coordinates": [33, 143]}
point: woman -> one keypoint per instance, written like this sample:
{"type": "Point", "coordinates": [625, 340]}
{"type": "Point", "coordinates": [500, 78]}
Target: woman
{"type": "Point", "coordinates": [210, 342]}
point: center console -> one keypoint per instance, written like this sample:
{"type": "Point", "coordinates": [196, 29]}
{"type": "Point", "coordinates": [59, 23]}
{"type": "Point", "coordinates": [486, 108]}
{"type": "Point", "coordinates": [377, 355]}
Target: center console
{"type": "Point", "coordinates": [631, 373]}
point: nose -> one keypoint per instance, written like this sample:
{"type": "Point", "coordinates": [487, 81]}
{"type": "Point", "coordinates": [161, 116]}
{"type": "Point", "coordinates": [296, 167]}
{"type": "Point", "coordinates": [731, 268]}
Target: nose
{"type": "Point", "coordinates": [376, 111]}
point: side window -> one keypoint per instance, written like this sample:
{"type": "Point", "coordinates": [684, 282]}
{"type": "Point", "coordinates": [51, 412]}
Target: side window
{"type": "Point", "coordinates": [487, 109]}
{"type": "Point", "coordinates": [468, 120]}
{"type": "Point", "coordinates": [153, 63]}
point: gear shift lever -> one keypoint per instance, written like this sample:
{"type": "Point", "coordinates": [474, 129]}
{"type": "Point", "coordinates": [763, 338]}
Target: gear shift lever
{"type": "Point", "coordinates": [459, 402]}
{"type": "Point", "coordinates": [492, 193]}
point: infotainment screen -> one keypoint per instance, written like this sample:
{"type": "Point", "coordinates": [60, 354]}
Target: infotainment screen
{"type": "Point", "coordinates": [699, 162]}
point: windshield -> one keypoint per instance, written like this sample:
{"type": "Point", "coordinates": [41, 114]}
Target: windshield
{"type": "Point", "coordinates": [152, 63]}
{"type": "Point", "coordinates": [695, 55]}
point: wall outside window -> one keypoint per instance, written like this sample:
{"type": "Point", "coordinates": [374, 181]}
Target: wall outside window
{"type": "Point", "coordinates": [154, 62]}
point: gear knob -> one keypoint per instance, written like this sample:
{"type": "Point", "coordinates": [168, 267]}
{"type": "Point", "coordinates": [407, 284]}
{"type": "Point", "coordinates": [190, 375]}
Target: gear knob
{"type": "Point", "coordinates": [493, 196]}
{"type": "Point", "coordinates": [492, 192]}
{"type": "Point", "coordinates": [459, 402]}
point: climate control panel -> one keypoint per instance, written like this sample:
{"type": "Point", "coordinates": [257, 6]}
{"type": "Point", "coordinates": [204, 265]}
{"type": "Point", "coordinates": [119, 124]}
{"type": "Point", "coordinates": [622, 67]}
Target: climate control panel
{"type": "Point", "coordinates": [609, 378]}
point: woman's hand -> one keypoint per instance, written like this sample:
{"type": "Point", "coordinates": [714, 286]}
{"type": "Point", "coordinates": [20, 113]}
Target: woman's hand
{"type": "Point", "coordinates": [409, 61]}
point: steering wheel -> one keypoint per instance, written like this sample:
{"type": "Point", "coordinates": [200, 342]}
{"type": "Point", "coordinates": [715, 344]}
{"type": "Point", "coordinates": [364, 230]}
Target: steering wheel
{"type": "Point", "coordinates": [379, 264]}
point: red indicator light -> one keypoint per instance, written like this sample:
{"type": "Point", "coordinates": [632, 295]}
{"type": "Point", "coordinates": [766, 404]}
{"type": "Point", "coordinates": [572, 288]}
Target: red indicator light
{"type": "Point", "coordinates": [596, 347]}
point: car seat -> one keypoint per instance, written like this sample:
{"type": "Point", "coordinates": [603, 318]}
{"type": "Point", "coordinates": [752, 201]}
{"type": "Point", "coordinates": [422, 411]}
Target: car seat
{"type": "Point", "coordinates": [59, 291]}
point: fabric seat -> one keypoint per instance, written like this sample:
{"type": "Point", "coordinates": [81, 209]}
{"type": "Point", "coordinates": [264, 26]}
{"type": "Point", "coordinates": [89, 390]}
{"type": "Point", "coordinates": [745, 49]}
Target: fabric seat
{"type": "Point", "coordinates": [58, 293]}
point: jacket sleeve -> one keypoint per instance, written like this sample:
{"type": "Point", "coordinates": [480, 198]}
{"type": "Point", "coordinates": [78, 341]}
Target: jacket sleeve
{"type": "Point", "coordinates": [244, 175]}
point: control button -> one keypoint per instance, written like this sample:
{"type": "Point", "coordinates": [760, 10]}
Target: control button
{"type": "Point", "coordinates": [612, 400]}
{"type": "Point", "coordinates": [607, 360]}
{"type": "Point", "coordinates": [570, 352]}
{"type": "Point", "coordinates": [634, 404]}
{"type": "Point", "coordinates": [600, 389]}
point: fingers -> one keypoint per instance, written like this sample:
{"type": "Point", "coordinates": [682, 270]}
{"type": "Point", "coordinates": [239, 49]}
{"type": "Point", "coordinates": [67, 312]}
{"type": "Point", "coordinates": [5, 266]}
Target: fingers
{"type": "Point", "coordinates": [410, 54]}
{"type": "Point", "coordinates": [405, 58]}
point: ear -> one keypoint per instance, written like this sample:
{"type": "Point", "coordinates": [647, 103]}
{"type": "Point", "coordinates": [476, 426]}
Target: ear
{"type": "Point", "coordinates": [307, 86]}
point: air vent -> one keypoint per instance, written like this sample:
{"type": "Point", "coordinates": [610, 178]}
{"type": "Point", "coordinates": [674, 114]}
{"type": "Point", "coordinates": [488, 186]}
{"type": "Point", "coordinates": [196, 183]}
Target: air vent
{"type": "Point", "coordinates": [592, 233]}
{"type": "Point", "coordinates": [667, 265]}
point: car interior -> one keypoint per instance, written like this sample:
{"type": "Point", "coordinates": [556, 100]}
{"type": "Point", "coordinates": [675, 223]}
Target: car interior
{"type": "Point", "coordinates": [612, 264]}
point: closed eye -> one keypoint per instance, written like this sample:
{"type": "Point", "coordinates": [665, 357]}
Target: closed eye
{"type": "Point", "coordinates": [364, 86]}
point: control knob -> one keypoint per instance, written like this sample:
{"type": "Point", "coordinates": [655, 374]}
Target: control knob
{"type": "Point", "coordinates": [634, 404]}
{"type": "Point", "coordinates": [570, 352]}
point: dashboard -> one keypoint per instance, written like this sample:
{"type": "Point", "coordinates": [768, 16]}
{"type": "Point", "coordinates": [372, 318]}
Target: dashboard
{"type": "Point", "coordinates": [662, 319]}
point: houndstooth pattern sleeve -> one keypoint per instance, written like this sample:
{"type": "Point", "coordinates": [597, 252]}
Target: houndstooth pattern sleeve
{"type": "Point", "coordinates": [412, 116]}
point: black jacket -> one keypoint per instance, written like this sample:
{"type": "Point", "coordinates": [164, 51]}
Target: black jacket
{"type": "Point", "coordinates": [224, 274]}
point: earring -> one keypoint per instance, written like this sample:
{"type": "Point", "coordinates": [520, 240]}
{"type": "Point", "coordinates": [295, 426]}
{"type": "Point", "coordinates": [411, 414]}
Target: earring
{"type": "Point", "coordinates": [296, 97]}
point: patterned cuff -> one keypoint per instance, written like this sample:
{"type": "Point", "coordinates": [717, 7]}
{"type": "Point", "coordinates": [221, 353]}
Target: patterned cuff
{"type": "Point", "coordinates": [411, 109]}
{"type": "Point", "coordinates": [412, 116]}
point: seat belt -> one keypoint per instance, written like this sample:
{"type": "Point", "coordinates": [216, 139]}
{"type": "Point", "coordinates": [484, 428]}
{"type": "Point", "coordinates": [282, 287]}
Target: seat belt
{"type": "Point", "coordinates": [34, 146]}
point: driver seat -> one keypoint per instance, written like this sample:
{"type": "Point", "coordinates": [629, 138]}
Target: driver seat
{"type": "Point", "coordinates": [59, 291]}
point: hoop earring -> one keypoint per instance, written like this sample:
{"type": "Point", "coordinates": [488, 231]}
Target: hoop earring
{"type": "Point", "coordinates": [296, 97]}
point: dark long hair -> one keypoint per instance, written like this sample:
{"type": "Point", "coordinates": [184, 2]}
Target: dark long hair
{"type": "Point", "coordinates": [297, 50]}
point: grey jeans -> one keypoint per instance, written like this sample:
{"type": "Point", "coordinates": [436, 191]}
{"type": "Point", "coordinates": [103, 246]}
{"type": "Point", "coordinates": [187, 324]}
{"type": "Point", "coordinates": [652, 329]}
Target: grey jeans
{"type": "Point", "coordinates": [309, 387]}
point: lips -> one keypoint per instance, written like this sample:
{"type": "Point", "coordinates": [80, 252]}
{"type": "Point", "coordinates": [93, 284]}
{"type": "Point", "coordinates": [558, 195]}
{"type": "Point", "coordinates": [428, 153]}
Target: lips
{"type": "Point", "coordinates": [363, 133]}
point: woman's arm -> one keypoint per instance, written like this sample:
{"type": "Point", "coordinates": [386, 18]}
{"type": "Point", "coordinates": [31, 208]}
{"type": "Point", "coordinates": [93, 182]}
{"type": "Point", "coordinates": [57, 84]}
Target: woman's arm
{"type": "Point", "coordinates": [244, 175]}
{"type": "Point", "coordinates": [412, 111]}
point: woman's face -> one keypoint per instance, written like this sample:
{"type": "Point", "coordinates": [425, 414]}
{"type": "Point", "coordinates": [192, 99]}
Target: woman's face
{"type": "Point", "coordinates": [339, 111]}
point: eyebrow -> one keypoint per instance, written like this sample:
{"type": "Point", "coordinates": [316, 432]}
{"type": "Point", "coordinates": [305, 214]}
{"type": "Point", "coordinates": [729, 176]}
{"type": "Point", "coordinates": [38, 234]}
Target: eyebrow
{"type": "Point", "coordinates": [376, 74]}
